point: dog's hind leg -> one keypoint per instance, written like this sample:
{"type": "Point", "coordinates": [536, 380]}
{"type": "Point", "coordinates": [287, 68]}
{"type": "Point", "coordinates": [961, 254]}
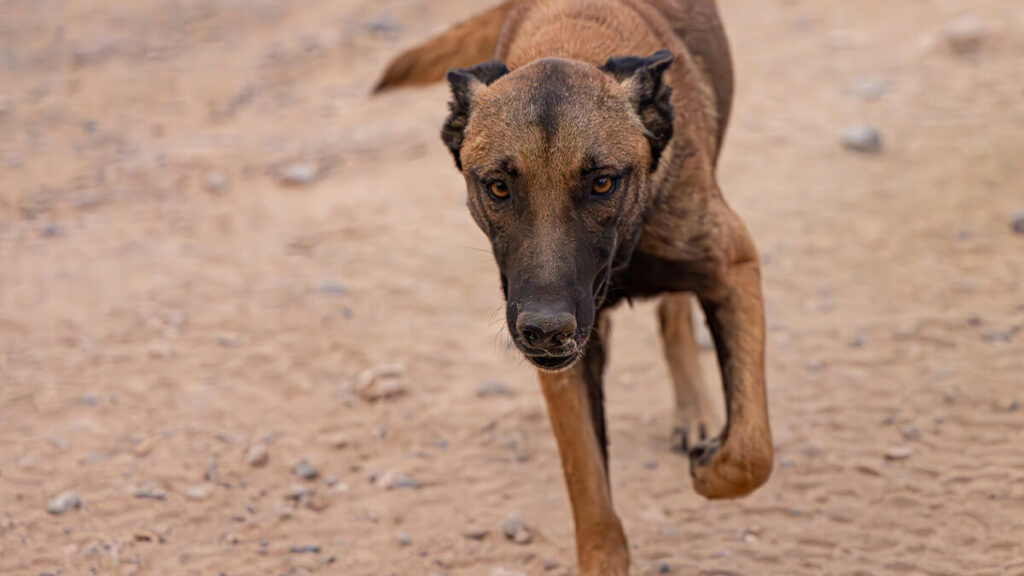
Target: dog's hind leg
{"type": "Point", "coordinates": [698, 406]}
{"type": "Point", "coordinates": [576, 411]}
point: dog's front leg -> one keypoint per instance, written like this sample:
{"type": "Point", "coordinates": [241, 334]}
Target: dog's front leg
{"type": "Point", "coordinates": [577, 418]}
{"type": "Point", "coordinates": [740, 460]}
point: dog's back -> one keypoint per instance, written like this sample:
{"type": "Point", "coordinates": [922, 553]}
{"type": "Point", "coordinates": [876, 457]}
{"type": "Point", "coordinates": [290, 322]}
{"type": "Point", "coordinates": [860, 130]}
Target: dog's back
{"type": "Point", "coordinates": [523, 30]}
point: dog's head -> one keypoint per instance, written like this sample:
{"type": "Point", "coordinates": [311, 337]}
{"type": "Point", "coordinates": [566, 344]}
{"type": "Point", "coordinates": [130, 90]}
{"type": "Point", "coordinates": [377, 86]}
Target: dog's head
{"type": "Point", "coordinates": [557, 156]}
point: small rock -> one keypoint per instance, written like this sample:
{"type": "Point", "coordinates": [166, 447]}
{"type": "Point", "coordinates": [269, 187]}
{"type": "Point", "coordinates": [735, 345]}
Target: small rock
{"type": "Point", "coordinates": [299, 174]}
{"type": "Point", "coordinates": [143, 535]}
{"type": "Point", "coordinates": [492, 388]}
{"type": "Point", "coordinates": [899, 453]}
{"type": "Point", "coordinates": [304, 549]}
{"type": "Point", "coordinates": [549, 564]}
{"type": "Point", "coordinates": [257, 455]}
{"type": "Point", "coordinates": [403, 539]}
{"type": "Point", "coordinates": [88, 400]}
{"type": "Point", "coordinates": [318, 502]}
{"type": "Point", "coordinates": [664, 568]}
{"type": "Point", "coordinates": [150, 491]}
{"type": "Point", "coordinates": [212, 472]}
{"type": "Point", "coordinates": [305, 470]}
{"type": "Point", "coordinates": [380, 383]}
{"type": "Point", "coordinates": [50, 231]}
{"type": "Point", "coordinates": [997, 336]}
{"type": "Point", "coordinates": [383, 25]}
{"type": "Point", "coordinates": [1007, 405]}
{"type": "Point", "coordinates": [389, 481]}
{"type": "Point", "coordinates": [1018, 222]}
{"type": "Point", "coordinates": [517, 443]}
{"type": "Point", "coordinates": [332, 288]}
{"type": "Point", "coordinates": [142, 449]}
{"type": "Point", "coordinates": [198, 493]}
{"type": "Point", "coordinates": [64, 502]}
{"type": "Point", "coordinates": [965, 35]}
{"type": "Point", "coordinates": [869, 89]}
{"type": "Point", "coordinates": [216, 182]}
{"type": "Point", "coordinates": [500, 571]}
{"type": "Point", "coordinates": [227, 340]}
{"type": "Point", "coordinates": [299, 491]}
{"type": "Point", "coordinates": [476, 533]}
{"type": "Point", "coordinates": [910, 433]}
{"type": "Point", "coordinates": [862, 138]}
{"type": "Point", "coordinates": [337, 441]}
{"type": "Point", "coordinates": [514, 529]}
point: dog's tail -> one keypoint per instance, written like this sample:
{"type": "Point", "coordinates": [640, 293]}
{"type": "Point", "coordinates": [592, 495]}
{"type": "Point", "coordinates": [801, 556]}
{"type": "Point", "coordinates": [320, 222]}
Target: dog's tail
{"type": "Point", "coordinates": [468, 43]}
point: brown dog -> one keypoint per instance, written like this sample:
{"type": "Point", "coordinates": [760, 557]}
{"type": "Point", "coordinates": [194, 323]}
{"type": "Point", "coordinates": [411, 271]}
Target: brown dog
{"type": "Point", "coordinates": [588, 142]}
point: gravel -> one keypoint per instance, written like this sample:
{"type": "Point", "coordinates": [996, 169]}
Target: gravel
{"type": "Point", "coordinates": [863, 138]}
{"type": "Point", "coordinates": [64, 502]}
{"type": "Point", "coordinates": [257, 455]}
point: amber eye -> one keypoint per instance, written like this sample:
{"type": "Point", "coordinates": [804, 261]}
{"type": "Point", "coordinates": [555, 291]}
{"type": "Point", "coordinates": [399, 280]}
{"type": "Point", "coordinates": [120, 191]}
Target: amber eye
{"type": "Point", "coordinates": [604, 185]}
{"type": "Point", "coordinates": [499, 189]}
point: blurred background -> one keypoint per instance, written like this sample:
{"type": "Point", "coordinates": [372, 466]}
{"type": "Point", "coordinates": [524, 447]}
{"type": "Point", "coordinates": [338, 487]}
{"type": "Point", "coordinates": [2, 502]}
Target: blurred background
{"type": "Point", "coordinates": [248, 327]}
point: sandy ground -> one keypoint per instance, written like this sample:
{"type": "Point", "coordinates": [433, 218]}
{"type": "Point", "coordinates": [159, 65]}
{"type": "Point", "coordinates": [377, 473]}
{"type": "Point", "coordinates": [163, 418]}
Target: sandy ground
{"type": "Point", "coordinates": [167, 304]}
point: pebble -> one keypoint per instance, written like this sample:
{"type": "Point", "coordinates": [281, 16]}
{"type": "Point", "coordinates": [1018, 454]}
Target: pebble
{"type": "Point", "coordinates": [380, 383]}
{"type": "Point", "coordinates": [304, 549]}
{"type": "Point", "coordinates": [332, 288]}
{"type": "Point", "coordinates": [216, 182]}
{"type": "Point", "coordinates": [500, 571]}
{"type": "Point", "coordinates": [1007, 405]}
{"type": "Point", "coordinates": [862, 138]}
{"type": "Point", "coordinates": [305, 470]}
{"type": "Point", "coordinates": [150, 491]}
{"type": "Point", "coordinates": [389, 481]}
{"type": "Point", "coordinates": [899, 453]}
{"type": "Point", "coordinates": [664, 568]}
{"type": "Point", "coordinates": [476, 533]}
{"type": "Point", "coordinates": [514, 529]}
{"type": "Point", "coordinates": [403, 539]}
{"type": "Point", "coordinates": [910, 433]}
{"type": "Point", "coordinates": [965, 35]}
{"type": "Point", "coordinates": [212, 472]}
{"type": "Point", "coordinates": [337, 441]}
{"type": "Point", "coordinates": [869, 89]}
{"type": "Point", "coordinates": [198, 493]}
{"type": "Point", "coordinates": [549, 564]}
{"type": "Point", "coordinates": [493, 388]}
{"type": "Point", "coordinates": [383, 25]}
{"type": "Point", "coordinates": [1018, 222]}
{"type": "Point", "coordinates": [299, 174]}
{"type": "Point", "coordinates": [257, 455]}
{"type": "Point", "coordinates": [64, 502]}
{"type": "Point", "coordinates": [299, 491]}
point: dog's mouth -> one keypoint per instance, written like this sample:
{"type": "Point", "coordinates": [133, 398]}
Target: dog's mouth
{"type": "Point", "coordinates": [552, 363]}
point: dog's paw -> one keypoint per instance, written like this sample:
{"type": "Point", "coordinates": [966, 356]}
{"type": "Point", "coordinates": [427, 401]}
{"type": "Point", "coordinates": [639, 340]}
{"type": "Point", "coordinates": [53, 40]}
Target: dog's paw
{"type": "Point", "coordinates": [723, 471]}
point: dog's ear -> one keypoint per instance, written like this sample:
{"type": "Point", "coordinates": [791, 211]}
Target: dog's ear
{"type": "Point", "coordinates": [464, 84]}
{"type": "Point", "coordinates": [651, 95]}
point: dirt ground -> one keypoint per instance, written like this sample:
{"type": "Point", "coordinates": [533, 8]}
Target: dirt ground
{"type": "Point", "coordinates": [168, 304]}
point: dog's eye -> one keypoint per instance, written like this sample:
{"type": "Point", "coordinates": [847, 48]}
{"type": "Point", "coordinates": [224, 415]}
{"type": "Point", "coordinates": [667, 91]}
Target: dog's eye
{"type": "Point", "coordinates": [499, 189]}
{"type": "Point", "coordinates": [604, 185]}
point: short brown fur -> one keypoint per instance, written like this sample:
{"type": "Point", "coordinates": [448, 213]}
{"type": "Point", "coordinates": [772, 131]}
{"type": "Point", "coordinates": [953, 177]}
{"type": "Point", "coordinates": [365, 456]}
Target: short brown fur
{"type": "Point", "coordinates": [571, 106]}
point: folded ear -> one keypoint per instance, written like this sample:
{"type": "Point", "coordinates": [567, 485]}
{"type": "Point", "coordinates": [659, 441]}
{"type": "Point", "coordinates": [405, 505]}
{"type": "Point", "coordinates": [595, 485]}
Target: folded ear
{"type": "Point", "coordinates": [651, 95]}
{"type": "Point", "coordinates": [464, 84]}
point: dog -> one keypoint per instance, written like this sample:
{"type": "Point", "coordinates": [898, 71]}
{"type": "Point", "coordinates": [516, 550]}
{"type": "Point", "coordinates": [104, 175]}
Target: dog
{"type": "Point", "coordinates": [588, 132]}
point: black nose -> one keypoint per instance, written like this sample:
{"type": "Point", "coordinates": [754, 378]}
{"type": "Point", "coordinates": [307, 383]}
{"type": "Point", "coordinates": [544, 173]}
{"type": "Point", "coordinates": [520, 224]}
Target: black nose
{"type": "Point", "coordinates": [546, 331]}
